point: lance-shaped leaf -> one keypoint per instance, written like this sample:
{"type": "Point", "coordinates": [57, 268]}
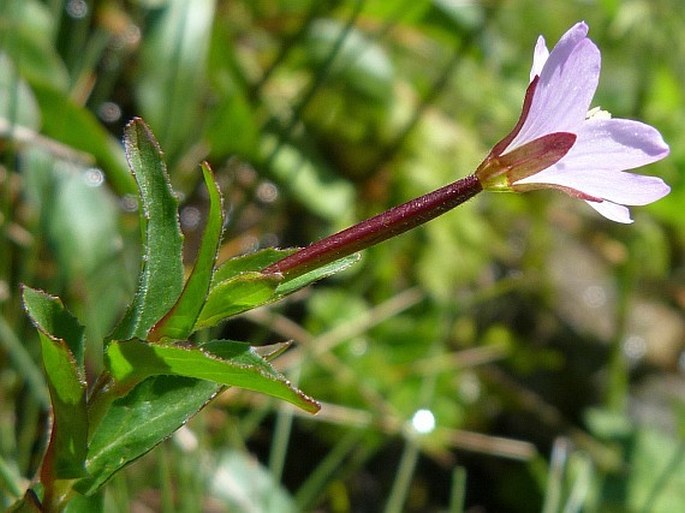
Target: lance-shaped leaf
{"type": "Point", "coordinates": [236, 295]}
{"type": "Point", "coordinates": [263, 258]}
{"type": "Point", "coordinates": [137, 422]}
{"type": "Point", "coordinates": [161, 276]}
{"type": "Point", "coordinates": [155, 408]}
{"type": "Point", "coordinates": [226, 362]}
{"type": "Point", "coordinates": [238, 285]}
{"type": "Point", "coordinates": [251, 262]}
{"type": "Point", "coordinates": [179, 321]}
{"type": "Point", "coordinates": [291, 285]}
{"type": "Point", "coordinates": [62, 345]}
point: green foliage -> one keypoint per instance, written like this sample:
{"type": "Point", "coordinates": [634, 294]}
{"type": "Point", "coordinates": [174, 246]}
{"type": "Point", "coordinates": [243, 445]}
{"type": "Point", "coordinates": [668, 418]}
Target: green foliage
{"type": "Point", "coordinates": [233, 296]}
{"type": "Point", "coordinates": [173, 61]}
{"type": "Point", "coordinates": [149, 390]}
{"type": "Point", "coordinates": [62, 348]}
{"type": "Point", "coordinates": [656, 460]}
{"type": "Point", "coordinates": [515, 321]}
{"type": "Point", "coordinates": [161, 275]}
{"type": "Point", "coordinates": [222, 361]}
{"type": "Point", "coordinates": [79, 129]}
{"type": "Point", "coordinates": [179, 322]}
{"type": "Point", "coordinates": [138, 421]}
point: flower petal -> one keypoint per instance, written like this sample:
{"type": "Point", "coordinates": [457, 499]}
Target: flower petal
{"type": "Point", "coordinates": [540, 56]}
{"type": "Point", "coordinates": [612, 211]}
{"type": "Point", "coordinates": [616, 186]}
{"type": "Point", "coordinates": [616, 145]}
{"type": "Point", "coordinates": [605, 148]}
{"type": "Point", "coordinates": [568, 81]}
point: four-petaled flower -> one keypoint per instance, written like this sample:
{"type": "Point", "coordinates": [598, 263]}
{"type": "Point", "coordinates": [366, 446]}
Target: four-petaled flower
{"type": "Point", "coordinates": [558, 143]}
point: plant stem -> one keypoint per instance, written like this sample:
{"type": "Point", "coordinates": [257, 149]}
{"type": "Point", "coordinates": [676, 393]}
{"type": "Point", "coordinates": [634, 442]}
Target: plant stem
{"type": "Point", "coordinates": [376, 229]}
{"type": "Point", "coordinates": [458, 490]}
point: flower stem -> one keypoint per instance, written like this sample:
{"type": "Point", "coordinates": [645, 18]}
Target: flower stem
{"type": "Point", "coordinates": [376, 229]}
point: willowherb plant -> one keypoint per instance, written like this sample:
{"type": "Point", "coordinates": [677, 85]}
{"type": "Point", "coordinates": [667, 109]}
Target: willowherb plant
{"type": "Point", "coordinates": [155, 378]}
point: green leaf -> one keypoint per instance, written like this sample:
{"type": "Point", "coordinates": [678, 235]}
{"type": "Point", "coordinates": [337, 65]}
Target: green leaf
{"type": "Point", "coordinates": [221, 361]}
{"type": "Point", "coordinates": [139, 421]}
{"type": "Point", "coordinates": [236, 295]}
{"type": "Point", "coordinates": [238, 285]}
{"type": "Point", "coordinates": [258, 260]}
{"type": "Point", "coordinates": [86, 504]}
{"type": "Point", "coordinates": [52, 319]}
{"type": "Point", "coordinates": [161, 275]}
{"type": "Point", "coordinates": [156, 407]}
{"type": "Point", "coordinates": [652, 476]}
{"type": "Point", "coordinates": [289, 286]}
{"type": "Point", "coordinates": [62, 346]}
{"type": "Point", "coordinates": [67, 449]}
{"type": "Point", "coordinates": [81, 221]}
{"type": "Point", "coordinates": [251, 262]}
{"type": "Point", "coordinates": [179, 322]}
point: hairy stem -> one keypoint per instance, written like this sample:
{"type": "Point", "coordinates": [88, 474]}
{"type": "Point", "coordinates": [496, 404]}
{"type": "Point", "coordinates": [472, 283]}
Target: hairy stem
{"type": "Point", "coordinates": [376, 229]}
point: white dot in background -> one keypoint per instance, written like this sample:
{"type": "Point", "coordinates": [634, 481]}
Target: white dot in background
{"type": "Point", "coordinates": [595, 296]}
{"type": "Point", "coordinates": [190, 218]}
{"type": "Point", "coordinates": [129, 203]}
{"type": "Point", "coordinates": [423, 421]}
{"type": "Point", "coordinates": [267, 192]}
{"type": "Point", "coordinates": [77, 9]}
{"type": "Point", "coordinates": [109, 112]}
{"type": "Point", "coordinates": [94, 177]}
{"type": "Point", "coordinates": [634, 348]}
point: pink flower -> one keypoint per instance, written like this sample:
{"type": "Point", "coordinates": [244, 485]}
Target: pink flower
{"type": "Point", "coordinates": [559, 144]}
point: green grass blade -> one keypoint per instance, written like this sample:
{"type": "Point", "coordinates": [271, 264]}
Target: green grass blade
{"type": "Point", "coordinates": [173, 63]}
{"type": "Point", "coordinates": [29, 369]}
{"type": "Point", "coordinates": [458, 490]}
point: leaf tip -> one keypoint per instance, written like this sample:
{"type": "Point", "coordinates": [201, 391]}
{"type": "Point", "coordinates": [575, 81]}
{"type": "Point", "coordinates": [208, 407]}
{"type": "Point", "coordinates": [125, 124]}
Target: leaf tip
{"type": "Point", "coordinates": [309, 404]}
{"type": "Point", "coordinates": [136, 129]}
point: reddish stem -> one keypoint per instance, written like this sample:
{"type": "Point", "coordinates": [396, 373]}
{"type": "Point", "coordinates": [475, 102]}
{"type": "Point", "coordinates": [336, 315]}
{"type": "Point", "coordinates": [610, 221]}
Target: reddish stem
{"type": "Point", "coordinates": [376, 229]}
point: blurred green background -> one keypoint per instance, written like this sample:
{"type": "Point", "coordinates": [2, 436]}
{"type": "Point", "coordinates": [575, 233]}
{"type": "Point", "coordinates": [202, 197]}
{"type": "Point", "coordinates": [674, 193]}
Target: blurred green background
{"type": "Point", "coordinates": [544, 342]}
